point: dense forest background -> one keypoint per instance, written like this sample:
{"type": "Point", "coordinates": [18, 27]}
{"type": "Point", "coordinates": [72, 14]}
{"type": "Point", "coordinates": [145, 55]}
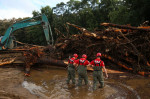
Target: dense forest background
{"type": "Point", "coordinates": [85, 13]}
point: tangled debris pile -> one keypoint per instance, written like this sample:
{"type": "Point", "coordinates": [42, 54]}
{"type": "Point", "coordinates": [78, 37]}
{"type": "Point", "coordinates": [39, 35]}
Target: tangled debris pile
{"type": "Point", "coordinates": [125, 46]}
{"type": "Point", "coordinates": [30, 55]}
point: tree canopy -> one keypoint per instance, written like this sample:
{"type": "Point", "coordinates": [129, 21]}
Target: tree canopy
{"type": "Point", "coordinates": [85, 13]}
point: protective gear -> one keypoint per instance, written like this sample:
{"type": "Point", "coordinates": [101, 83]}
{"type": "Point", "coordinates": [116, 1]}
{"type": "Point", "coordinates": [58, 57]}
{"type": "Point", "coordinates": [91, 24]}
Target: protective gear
{"type": "Point", "coordinates": [84, 55]}
{"type": "Point", "coordinates": [75, 55]}
{"type": "Point", "coordinates": [71, 61]}
{"type": "Point", "coordinates": [82, 74]}
{"type": "Point", "coordinates": [98, 55]}
{"type": "Point", "coordinates": [98, 75]}
{"type": "Point", "coordinates": [81, 62]}
{"type": "Point", "coordinates": [97, 63]}
{"type": "Point", "coordinates": [71, 74]}
{"type": "Point", "coordinates": [82, 70]}
{"type": "Point", "coordinates": [71, 71]}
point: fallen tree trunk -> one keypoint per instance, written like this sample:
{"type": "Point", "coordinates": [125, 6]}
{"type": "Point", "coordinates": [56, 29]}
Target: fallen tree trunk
{"type": "Point", "coordinates": [53, 62]}
{"type": "Point", "coordinates": [125, 27]}
{"type": "Point", "coordinates": [125, 47]}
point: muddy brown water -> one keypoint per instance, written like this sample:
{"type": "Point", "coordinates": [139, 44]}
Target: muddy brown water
{"type": "Point", "coordinates": [51, 84]}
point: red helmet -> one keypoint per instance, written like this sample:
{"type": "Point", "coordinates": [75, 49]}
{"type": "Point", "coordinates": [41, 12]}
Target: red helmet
{"type": "Point", "coordinates": [98, 54]}
{"type": "Point", "coordinates": [75, 55]}
{"type": "Point", "coordinates": [84, 56]}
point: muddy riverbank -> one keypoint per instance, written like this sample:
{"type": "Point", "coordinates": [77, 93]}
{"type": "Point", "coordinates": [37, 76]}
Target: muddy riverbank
{"type": "Point", "coordinates": [11, 84]}
{"type": "Point", "coordinates": [49, 83]}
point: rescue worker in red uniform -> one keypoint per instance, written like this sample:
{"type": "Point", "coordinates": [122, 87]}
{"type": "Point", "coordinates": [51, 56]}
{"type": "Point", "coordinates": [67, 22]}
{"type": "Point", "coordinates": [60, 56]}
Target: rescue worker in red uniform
{"type": "Point", "coordinates": [82, 69]}
{"type": "Point", "coordinates": [71, 69]}
{"type": "Point", "coordinates": [98, 65]}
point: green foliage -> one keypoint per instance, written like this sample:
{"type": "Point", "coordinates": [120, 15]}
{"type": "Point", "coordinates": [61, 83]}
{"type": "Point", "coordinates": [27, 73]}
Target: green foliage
{"type": "Point", "coordinates": [85, 13]}
{"type": "Point", "coordinates": [119, 15]}
{"type": "Point", "coordinates": [134, 12]}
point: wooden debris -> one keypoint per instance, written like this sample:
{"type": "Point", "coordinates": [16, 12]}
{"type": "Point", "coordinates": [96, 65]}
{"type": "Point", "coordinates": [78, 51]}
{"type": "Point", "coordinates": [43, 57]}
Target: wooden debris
{"type": "Point", "coordinates": [127, 27]}
{"type": "Point", "coordinates": [125, 46]}
{"type": "Point", "coordinates": [7, 61]}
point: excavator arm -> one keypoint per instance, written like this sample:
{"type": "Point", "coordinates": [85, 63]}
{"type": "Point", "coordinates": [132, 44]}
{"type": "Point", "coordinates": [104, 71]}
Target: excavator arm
{"type": "Point", "coordinates": [6, 40]}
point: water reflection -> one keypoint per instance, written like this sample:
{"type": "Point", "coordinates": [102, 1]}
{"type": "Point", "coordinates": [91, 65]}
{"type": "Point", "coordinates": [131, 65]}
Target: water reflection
{"type": "Point", "coordinates": [52, 84]}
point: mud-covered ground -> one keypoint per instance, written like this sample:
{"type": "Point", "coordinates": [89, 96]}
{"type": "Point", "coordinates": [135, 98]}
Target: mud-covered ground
{"type": "Point", "coordinates": [49, 83]}
{"type": "Point", "coordinates": [11, 84]}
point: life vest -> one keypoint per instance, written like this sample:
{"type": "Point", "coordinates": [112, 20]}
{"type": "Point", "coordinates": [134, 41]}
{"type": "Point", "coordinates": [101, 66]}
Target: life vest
{"type": "Point", "coordinates": [81, 62]}
{"type": "Point", "coordinates": [71, 61]}
{"type": "Point", "coordinates": [97, 62]}
{"type": "Point", "coordinates": [97, 67]}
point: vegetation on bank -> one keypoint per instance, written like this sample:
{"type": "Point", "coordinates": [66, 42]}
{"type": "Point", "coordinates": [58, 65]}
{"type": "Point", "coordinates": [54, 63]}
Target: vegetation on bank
{"type": "Point", "coordinates": [85, 13]}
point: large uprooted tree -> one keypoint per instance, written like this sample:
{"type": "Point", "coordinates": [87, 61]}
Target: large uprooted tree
{"type": "Point", "coordinates": [127, 47]}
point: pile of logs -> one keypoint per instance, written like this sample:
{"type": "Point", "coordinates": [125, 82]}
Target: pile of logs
{"type": "Point", "coordinates": [123, 45]}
